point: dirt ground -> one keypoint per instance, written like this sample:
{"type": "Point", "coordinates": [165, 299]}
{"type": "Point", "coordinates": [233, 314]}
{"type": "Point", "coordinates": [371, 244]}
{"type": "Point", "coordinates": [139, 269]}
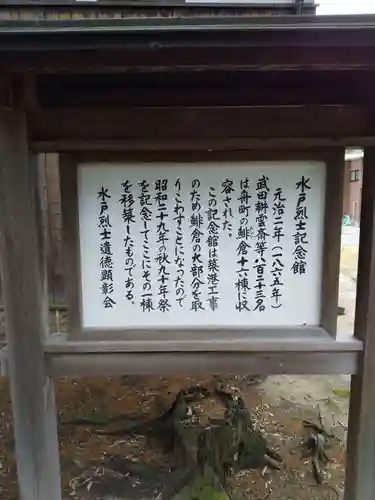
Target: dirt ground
{"type": "Point", "coordinates": [278, 405]}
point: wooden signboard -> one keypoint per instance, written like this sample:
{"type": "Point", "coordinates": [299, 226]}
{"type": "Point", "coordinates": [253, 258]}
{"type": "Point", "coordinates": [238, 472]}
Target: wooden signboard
{"type": "Point", "coordinates": [173, 249]}
{"type": "Point", "coordinates": [203, 245]}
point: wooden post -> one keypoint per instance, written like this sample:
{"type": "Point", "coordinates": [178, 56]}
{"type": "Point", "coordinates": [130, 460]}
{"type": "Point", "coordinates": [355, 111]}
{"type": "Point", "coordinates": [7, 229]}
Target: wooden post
{"type": "Point", "coordinates": [360, 462]}
{"type": "Point", "coordinates": [25, 299]}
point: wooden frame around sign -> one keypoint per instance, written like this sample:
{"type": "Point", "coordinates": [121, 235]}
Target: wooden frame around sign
{"type": "Point", "coordinates": [206, 339]}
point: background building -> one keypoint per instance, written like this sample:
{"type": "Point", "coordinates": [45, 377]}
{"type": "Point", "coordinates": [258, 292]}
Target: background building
{"type": "Point", "coordinates": [353, 185]}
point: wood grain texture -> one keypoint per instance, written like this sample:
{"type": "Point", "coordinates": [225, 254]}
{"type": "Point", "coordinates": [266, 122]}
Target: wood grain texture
{"type": "Point", "coordinates": [70, 242]}
{"type": "Point", "coordinates": [335, 172]}
{"type": "Point", "coordinates": [334, 159]}
{"type": "Point", "coordinates": [208, 363]}
{"type": "Point", "coordinates": [255, 340]}
{"type": "Point", "coordinates": [186, 145]}
{"type": "Point", "coordinates": [23, 264]}
{"type": "Point", "coordinates": [206, 88]}
{"type": "Point", "coordinates": [71, 255]}
{"type": "Point", "coordinates": [194, 122]}
{"type": "Point", "coordinates": [223, 50]}
{"type": "Point", "coordinates": [200, 155]}
{"type": "Point", "coordinates": [360, 466]}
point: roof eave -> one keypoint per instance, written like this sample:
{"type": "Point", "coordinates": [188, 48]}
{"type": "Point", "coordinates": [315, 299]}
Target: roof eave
{"type": "Point", "coordinates": [183, 24]}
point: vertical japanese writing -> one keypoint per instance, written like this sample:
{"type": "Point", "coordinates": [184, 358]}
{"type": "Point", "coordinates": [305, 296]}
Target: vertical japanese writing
{"type": "Point", "coordinates": [128, 217]}
{"type": "Point", "coordinates": [227, 189]}
{"type": "Point", "coordinates": [106, 255]}
{"type": "Point", "coordinates": [195, 246]}
{"type": "Point", "coordinates": [145, 202]}
{"type": "Point", "coordinates": [196, 222]}
{"type": "Point", "coordinates": [162, 238]}
{"type": "Point", "coordinates": [260, 264]}
{"type": "Point", "coordinates": [300, 236]}
{"type": "Point", "coordinates": [213, 231]}
{"type": "Point", "coordinates": [179, 252]}
{"type": "Point", "coordinates": [278, 210]}
{"type": "Point", "coordinates": [242, 250]}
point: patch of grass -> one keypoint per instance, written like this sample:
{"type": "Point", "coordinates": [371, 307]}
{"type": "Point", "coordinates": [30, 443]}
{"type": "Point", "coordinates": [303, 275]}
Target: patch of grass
{"type": "Point", "coordinates": [342, 393]}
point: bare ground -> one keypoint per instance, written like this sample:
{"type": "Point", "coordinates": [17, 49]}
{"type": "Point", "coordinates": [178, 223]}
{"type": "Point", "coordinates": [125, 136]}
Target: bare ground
{"type": "Point", "coordinates": [279, 407]}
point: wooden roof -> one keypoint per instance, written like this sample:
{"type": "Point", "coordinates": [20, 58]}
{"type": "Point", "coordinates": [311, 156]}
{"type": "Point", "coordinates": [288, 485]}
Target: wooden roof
{"type": "Point", "coordinates": [113, 7]}
{"type": "Point", "coordinates": [112, 82]}
{"type": "Point", "coordinates": [179, 43]}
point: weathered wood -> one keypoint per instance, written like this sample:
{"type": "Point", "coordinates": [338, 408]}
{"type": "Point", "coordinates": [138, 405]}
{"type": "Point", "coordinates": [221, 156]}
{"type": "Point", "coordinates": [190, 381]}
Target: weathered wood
{"type": "Point", "coordinates": [198, 363]}
{"type": "Point", "coordinates": [211, 122]}
{"type": "Point", "coordinates": [70, 242]}
{"type": "Point", "coordinates": [256, 340]}
{"type": "Point", "coordinates": [332, 240]}
{"type": "Point", "coordinates": [43, 189]}
{"type": "Point", "coordinates": [108, 7]}
{"type": "Point", "coordinates": [4, 361]}
{"type": "Point", "coordinates": [197, 155]}
{"type": "Point", "coordinates": [189, 145]}
{"type": "Point", "coordinates": [51, 186]}
{"type": "Point", "coordinates": [236, 50]}
{"type": "Point", "coordinates": [5, 92]}
{"type": "Point", "coordinates": [206, 88]}
{"type": "Point", "coordinates": [25, 297]}
{"type": "Point", "coordinates": [360, 466]}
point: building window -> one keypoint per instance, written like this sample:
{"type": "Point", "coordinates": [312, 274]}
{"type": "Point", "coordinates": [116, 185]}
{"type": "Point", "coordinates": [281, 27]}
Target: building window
{"type": "Point", "coordinates": [354, 175]}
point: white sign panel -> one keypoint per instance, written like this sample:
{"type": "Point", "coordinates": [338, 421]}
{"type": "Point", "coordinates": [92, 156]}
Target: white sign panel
{"type": "Point", "coordinates": [218, 244]}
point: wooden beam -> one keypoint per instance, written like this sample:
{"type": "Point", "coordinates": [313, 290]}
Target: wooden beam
{"type": "Point", "coordinates": [188, 146]}
{"type": "Point", "coordinates": [5, 92]}
{"type": "Point", "coordinates": [195, 122]}
{"type": "Point", "coordinates": [360, 461]}
{"type": "Point", "coordinates": [261, 57]}
{"type": "Point", "coordinates": [207, 88]}
{"type": "Point", "coordinates": [250, 340]}
{"type": "Point", "coordinates": [202, 363]}
{"type": "Point", "coordinates": [210, 95]}
{"type": "Point", "coordinates": [332, 239]}
{"type": "Point", "coordinates": [70, 242]}
{"type": "Point", "coordinates": [25, 299]}
{"type": "Point", "coordinates": [103, 9]}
